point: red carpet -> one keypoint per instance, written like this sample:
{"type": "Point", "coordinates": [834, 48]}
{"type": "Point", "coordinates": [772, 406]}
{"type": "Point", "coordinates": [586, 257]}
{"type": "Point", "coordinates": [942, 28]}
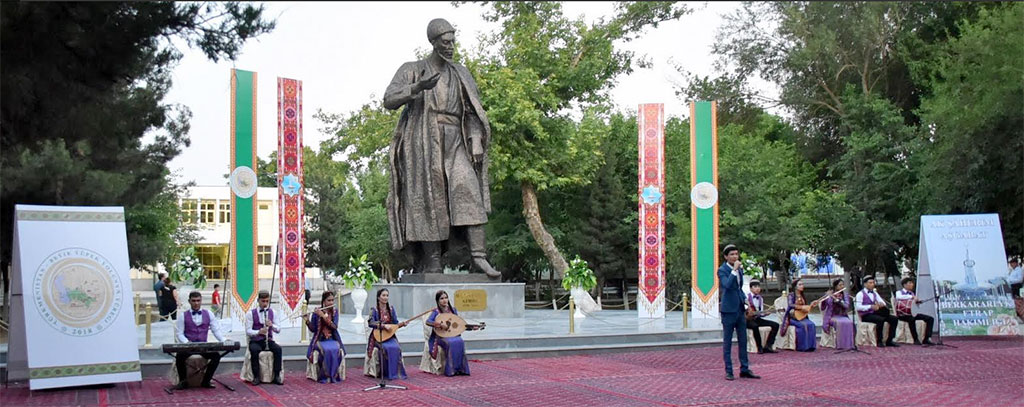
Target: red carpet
{"type": "Point", "coordinates": [983, 371]}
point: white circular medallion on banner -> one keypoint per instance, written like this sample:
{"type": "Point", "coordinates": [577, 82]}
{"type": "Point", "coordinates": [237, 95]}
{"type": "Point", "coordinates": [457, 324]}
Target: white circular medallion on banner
{"type": "Point", "coordinates": [243, 182]}
{"type": "Point", "coordinates": [704, 195]}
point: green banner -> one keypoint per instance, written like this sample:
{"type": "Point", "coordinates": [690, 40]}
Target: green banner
{"type": "Point", "coordinates": [243, 206]}
{"type": "Point", "coordinates": [704, 232]}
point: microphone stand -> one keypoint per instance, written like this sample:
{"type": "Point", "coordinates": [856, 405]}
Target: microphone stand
{"type": "Point", "coordinates": [938, 319]}
{"type": "Point", "coordinates": [380, 358]}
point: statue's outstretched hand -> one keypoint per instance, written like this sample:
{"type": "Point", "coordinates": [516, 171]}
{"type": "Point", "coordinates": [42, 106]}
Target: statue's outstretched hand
{"type": "Point", "coordinates": [427, 83]}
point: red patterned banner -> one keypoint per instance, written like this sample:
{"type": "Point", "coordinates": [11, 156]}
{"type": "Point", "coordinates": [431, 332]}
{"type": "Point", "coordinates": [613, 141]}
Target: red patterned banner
{"type": "Point", "coordinates": [289, 189]}
{"type": "Point", "coordinates": [651, 188]}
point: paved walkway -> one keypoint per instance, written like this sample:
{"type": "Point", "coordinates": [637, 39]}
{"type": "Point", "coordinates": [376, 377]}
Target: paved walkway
{"type": "Point", "coordinates": [982, 371]}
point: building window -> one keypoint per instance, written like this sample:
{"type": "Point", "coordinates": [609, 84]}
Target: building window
{"type": "Point", "coordinates": [188, 211]}
{"type": "Point", "coordinates": [225, 213]}
{"type": "Point", "coordinates": [214, 260]}
{"type": "Point", "coordinates": [206, 211]}
{"type": "Point", "coordinates": [263, 255]}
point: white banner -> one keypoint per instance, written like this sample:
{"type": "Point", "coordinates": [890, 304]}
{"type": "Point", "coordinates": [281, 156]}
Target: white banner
{"type": "Point", "coordinates": [962, 264]}
{"type": "Point", "coordinates": [73, 294]}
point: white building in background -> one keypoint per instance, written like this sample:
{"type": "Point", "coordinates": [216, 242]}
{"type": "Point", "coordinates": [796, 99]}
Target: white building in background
{"type": "Point", "coordinates": [210, 208]}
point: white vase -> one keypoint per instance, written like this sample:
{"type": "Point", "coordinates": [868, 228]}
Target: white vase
{"type": "Point", "coordinates": [359, 301]}
{"type": "Point", "coordinates": [577, 294]}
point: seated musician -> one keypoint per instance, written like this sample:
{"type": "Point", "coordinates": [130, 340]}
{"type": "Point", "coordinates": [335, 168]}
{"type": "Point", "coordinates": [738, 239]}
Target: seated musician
{"type": "Point", "coordinates": [195, 326]}
{"type": "Point", "coordinates": [905, 299]}
{"type": "Point", "coordinates": [455, 362]}
{"type": "Point", "coordinates": [872, 308]}
{"type": "Point", "coordinates": [260, 327]}
{"type": "Point", "coordinates": [326, 342]}
{"type": "Point", "coordinates": [755, 319]}
{"type": "Point", "coordinates": [835, 311]}
{"type": "Point", "coordinates": [382, 314]}
{"type": "Point", "coordinates": [806, 340]}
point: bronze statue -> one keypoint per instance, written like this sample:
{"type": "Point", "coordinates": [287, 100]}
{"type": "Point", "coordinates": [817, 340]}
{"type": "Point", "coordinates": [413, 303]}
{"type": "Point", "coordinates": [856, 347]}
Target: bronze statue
{"type": "Point", "coordinates": [439, 178]}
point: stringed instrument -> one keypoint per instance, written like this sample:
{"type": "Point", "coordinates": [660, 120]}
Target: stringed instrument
{"type": "Point", "coordinates": [447, 325]}
{"type": "Point", "coordinates": [751, 314]}
{"type": "Point", "coordinates": [388, 330]}
{"type": "Point", "coordinates": [799, 314]}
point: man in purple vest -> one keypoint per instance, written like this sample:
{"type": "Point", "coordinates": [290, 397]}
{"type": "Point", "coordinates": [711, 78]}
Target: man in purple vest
{"type": "Point", "coordinates": [872, 308]}
{"type": "Point", "coordinates": [259, 325]}
{"type": "Point", "coordinates": [195, 326]}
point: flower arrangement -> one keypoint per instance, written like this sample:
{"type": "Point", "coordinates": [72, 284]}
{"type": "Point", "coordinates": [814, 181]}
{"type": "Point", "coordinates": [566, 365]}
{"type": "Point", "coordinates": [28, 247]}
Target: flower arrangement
{"type": "Point", "coordinates": [579, 275]}
{"type": "Point", "coordinates": [188, 269]}
{"type": "Point", "coordinates": [359, 273]}
{"type": "Point", "coordinates": [750, 266]}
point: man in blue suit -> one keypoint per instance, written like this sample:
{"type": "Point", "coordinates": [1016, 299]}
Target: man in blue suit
{"type": "Point", "coordinates": [731, 304]}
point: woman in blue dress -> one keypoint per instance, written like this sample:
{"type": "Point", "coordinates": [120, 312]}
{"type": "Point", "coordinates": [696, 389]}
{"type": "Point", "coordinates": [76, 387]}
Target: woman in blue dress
{"type": "Point", "coordinates": [455, 362]}
{"type": "Point", "coordinates": [805, 335]}
{"type": "Point", "coordinates": [384, 314]}
{"type": "Point", "coordinates": [326, 342]}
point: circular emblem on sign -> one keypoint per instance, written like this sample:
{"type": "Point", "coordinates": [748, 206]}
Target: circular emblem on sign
{"type": "Point", "coordinates": [77, 292]}
{"type": "Point", "coordinates": [243, 182]}
{"type": "Point", "coordinates": [704, 195]}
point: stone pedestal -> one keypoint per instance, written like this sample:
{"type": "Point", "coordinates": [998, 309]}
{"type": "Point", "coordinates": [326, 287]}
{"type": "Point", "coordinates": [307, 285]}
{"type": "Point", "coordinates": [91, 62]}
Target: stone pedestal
{"type": "Point", "coordinates": [503, 300]}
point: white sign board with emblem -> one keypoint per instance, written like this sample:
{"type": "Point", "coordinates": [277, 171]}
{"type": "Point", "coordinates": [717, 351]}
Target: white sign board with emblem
{"type": "Point", "coordinates": [71, 310]}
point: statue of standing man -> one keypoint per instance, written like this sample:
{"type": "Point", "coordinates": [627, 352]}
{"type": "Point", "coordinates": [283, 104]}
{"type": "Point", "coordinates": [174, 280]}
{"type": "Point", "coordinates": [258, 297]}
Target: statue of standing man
{"type": "Point", "coordinates": [439, 178]}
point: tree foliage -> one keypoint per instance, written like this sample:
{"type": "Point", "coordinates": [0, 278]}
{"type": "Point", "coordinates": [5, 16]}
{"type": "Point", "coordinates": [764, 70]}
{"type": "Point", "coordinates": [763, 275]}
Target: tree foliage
{"type": "Point", "coordinates": [83, 117]}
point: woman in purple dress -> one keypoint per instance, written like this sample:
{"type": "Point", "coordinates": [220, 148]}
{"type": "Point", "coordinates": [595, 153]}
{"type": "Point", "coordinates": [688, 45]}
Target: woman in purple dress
{"type": "Point", "coordinates": [805, 335]}
{"type": "Point", "coordinates": [454, 348]}
{"type": "Point", "coordinates": [384, 313]}
{"type": "Point", "coordinates": [834, 312]}
{"type": "Point", "coordinates": [326, 342]}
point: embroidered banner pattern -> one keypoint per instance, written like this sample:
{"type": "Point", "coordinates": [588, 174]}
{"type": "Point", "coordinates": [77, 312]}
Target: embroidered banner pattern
{"type": "Point", "coordinates": [289, 190]}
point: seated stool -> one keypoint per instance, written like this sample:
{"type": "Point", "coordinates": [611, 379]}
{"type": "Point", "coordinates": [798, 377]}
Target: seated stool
{"type": "Point", "coordinates": [828, 339]}
{"type": "Point", "coordinates": [751, 345]}
{"type": "Point", "coordinates": [903, 331]}
{"type": "Point", "coordinates": [195, 368]}
{"type": "Point", "coordinates": [266, 367]}
{"type": "Point", "coordinates": [312, 368]}
{"type": "Point", "coordinates": [426, 363]}
{"type": "Point", "coordinates": [788, 341]}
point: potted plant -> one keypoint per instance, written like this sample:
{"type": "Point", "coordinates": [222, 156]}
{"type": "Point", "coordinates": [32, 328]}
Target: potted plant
{"type": "Point", "coordinates": [188, 273]}
{"type": "Point", "coordinates": [359, 277]}
{"type": "Point", "coordinates": [578, 279]}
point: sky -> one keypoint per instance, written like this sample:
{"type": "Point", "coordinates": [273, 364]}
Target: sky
{"type": "Point", "coordinates": [345, 54]}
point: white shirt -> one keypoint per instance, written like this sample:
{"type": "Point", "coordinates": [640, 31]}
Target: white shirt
{"type": "Point", "coordinates": [1016, 276]}
{"type": "Point", "coordinates": [860, 300]}
{"type": "Point", "coordinates": [263, 320]}
{"type": "Point", "coordinates": [904, 294]}
{"type": "Point", "coordinates": [757, 302]}
{"type": "Point", "coordinates": [197, 319]}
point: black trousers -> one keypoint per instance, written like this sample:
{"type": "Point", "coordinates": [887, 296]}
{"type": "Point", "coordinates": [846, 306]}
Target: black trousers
{"type": "Point", "coordinates": [911, 319]}
{"type": "Point", "coordinates": [756, 323]}
{"type": "Point", "coordinates": [213, 359]}
{"type": "Point", "coordinates": [879, 317]}
{"type": "Point", "coordinates": [1015, 289]}
{"type": "Point", "coordinates": [255, 347]}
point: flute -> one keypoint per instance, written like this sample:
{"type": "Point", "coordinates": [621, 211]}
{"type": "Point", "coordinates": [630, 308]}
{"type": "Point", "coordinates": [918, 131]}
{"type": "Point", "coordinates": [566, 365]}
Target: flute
{"type": "Point", "coordinates": [313, 311]}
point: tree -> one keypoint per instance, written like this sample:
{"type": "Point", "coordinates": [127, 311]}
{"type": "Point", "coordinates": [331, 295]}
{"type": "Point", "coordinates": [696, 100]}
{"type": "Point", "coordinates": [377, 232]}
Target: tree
{"type": "Point", "coordinates": [532, 72]}
{"type": "Point", "coordinates": [83, 88]}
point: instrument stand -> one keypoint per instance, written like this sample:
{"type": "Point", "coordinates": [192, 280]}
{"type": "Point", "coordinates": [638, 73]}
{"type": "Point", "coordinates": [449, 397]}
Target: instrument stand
{"type": "Point", "coordinates": [938, 320]}
{"type": "Point", "coordinates": [380, 368]}
{"type": "Point", "coordinates": [854, 349]}
{"type": "Point", "coordinates": [170, 390]}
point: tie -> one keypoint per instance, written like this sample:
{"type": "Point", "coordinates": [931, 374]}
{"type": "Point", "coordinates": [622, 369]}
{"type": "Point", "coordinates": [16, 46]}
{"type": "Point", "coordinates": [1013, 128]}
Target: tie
{"type": "Point", "coordinates": [196, 312]}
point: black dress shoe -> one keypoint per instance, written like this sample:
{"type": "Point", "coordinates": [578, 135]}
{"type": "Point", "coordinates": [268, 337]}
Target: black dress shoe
{"type": "Point", "coordinates": [928, 342]}
{"type": "Point", "coordinates": [255, 382]}
{"type": "Point", "coordinates": [749, 375]}
{"type": "Point", "coordinates": [279, 381]}
{"type": "Point", "coordinates": [892, 344]}
{"type": "Point", "coordinates": [182, 385]}
{"type": "Point", "coordinates": [208, 385]}
{"type": "Point", "coordinates": [728, 376]}
{"type": "Point", "coordinates": [770, 351]}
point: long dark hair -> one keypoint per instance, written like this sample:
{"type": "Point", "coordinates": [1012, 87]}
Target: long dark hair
{"type": "Point", "coordinates": [795, 293]}
{"type": "Point", "coordinates": [324, 297]}
{"type": "Point", "coordinates": [437, 299]}
{"type": "Point", "coordinates": [387, 305]}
